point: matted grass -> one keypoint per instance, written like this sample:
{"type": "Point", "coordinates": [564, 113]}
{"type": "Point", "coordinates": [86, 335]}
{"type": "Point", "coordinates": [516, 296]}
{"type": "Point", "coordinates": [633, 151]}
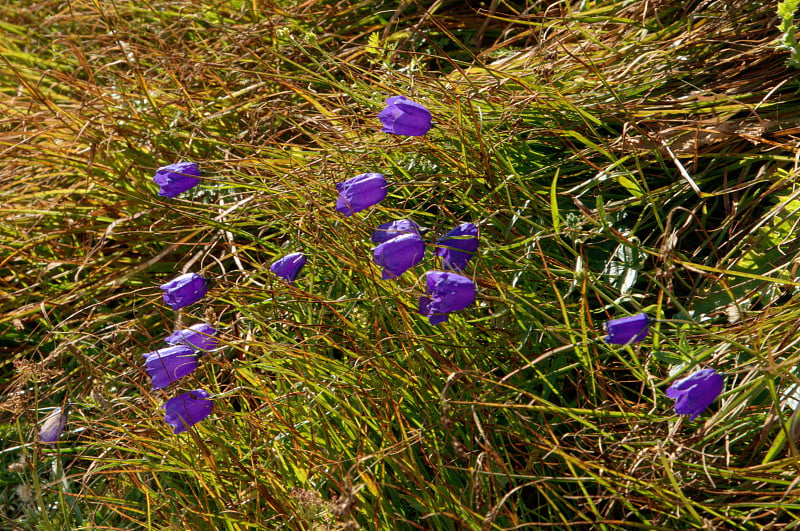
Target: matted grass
{"type": "Point", "coordinates": [619, 156]}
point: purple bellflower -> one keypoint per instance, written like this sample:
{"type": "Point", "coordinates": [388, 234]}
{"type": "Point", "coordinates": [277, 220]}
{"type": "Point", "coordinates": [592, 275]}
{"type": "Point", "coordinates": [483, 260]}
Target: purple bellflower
{"type": "Point", "coordinates": [187, 409]}
{"type": "Point", "coordinates": [360, 192]}
{"type": "Point", "coordinates": [184, 290]}
{"type": "Point", "coordinates": [627, 329]}
{"type": "Point", "coordinates": [387, 231]}
{"type": "Point", "coordinates": [53, 425]}
{"type": "Point", "coordinates": [169, 364]}
{"type": "Point", "coordinates": [289, 266]}
{"type": "Point", "coordinates": [401, 116]}
{"type": "Point", "coordinates": [399, 254]}
{"type": "Point", "coordinates": [200, 336]}
{"type": "Point", "coordinates": [448, 292]}
{"type": "Point", "coordinates": [176, 178]}
{"type": "Point", "coordinates": [695, 392]}
{"type": "Point", "coordinates": [457, 246]}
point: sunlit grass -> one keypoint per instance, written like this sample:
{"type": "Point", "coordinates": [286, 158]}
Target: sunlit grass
{"type": "Point", "coordinates": [618, 158]}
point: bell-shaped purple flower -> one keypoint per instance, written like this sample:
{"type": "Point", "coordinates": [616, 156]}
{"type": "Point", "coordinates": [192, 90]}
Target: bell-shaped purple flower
{"type": "Point", "coordinates": [184, 290]}
{"type": "Point", "coordinates": [187, 409]}
{"type": "Point", "coordinates": [176, 178]}
{"type": "Point", "coordinates": [447, 292]}
{"type": "Point", "coordinates": [627, 329]}
{"type": "Point", "coordinates": [457, 246]}
{"type": "Point", "coordinates": [170, 364]}
{"type": "Point", "coordinates": [360, 192]}
{"type": "Point", "coordinates": [53, 425]}
{"type": "Point", "coordinates": [399, 254]}
{"type": "Point", "coordinates": [289, 266]}
{"type": "Point", "coordinates": [405, 117]}
{"type": "Point", "coordinates": [387, 231]}
{"type": "Point", "coordinates": [200, 336]}
{"type": "Point", "coordinates": [696, 392]}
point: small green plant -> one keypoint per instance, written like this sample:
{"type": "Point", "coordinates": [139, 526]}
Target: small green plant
{"type": "Point", "coordinates": [786, 10]}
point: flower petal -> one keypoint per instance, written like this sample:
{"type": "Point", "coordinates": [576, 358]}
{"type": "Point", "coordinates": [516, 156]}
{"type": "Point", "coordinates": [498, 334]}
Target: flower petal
{"type": "Point", "coordinates": [187, 409]}
{"type": "Point", "coordinates": [201, 336]}
{"type": "Point", "coordinates": [175, 179]}
{"type": "Point", "coordinates": [387, 231]}
{"type": "Point", "coordinates": [457, 246]}
{"type": "Point", "coordinates": [184, 290]}
{"type": "Point", "coordinates": [399, 254]}
{"type": "Point", "coordinates": [53, 426]}
{"type": "Point", "coordinates": [170, 364]}
{"type": "Point", "coordinates": [696, 392]}
{"type": "Point", "coordinates": [627, 329]}
{"type": "Point", "coordinates": [360, 192]}
{"type": "Point", "coordinates": [402, 116]}
{"type": "Point", "coordinates": [289, 266]}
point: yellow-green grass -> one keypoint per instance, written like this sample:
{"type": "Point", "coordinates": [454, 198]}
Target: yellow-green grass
{"type": "Point", "coordinates": [619, 156]}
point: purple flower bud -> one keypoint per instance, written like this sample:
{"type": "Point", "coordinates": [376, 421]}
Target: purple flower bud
{"type": "Point", "coordinates": [447, 292]}
{"type": "Point", "coordinates": [387, 231]}
{"type": "Point", "coordinates": [53, 425]}
{"type": "Point", "coordinates": [176, 178]}
{"type": "Point", "coordinates": [360, 192]}
{"type": "Point", "coordinates": [399, 254]}
{"type": "Point", "coordinates": [695, 392]}
{"type": "Point", "coordinates": [289, 266]}
{"type": "Point", "coordinates": [170, 364]}
{"type": "Point", "coordinates": [457, 246]}
{"type": "Point", "coordinates": [405, 117]}
{"type": "Point", "coordinates": [187, 409]}
{"type": "Point", "coordinates": [627, 329]}
{"type": "Point", "coordinates": [201, 336]}
{"type": "Point", "coordinates": [184, 290]}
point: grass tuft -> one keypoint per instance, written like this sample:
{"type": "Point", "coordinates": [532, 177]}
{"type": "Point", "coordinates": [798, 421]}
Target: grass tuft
{"type": "Point", "coordinates": [618, 157]}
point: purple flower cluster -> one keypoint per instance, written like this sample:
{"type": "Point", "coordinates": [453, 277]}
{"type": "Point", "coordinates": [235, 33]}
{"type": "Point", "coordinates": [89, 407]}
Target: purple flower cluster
{"type": "Point", "coordinates": [401, 116]}
{"type": "Point", "coordinates": [401, 247]}
{"type": "Point", "coordinates": [169, 364]}
{"type": "Point", "coordinates": [694, 393]}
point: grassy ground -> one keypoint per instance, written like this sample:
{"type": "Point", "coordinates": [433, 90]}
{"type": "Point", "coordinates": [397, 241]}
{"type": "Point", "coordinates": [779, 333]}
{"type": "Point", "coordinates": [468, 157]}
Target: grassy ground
{"type": "Point", "coordinates": [619, 156]}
